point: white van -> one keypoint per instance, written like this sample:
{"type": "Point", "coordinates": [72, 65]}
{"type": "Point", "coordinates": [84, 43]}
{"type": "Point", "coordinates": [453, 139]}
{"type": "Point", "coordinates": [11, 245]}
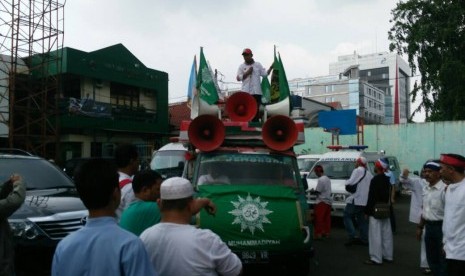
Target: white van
{"type": "Point", "coordinates": [338, 166]}
{"type": "Point", "coordinates": [170, 160]}
{"type": "Point", "coordinates": [306, 162]}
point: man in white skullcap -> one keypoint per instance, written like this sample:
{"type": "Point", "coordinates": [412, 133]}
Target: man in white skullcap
{"type": "Point", "coordinates": [177, 248]}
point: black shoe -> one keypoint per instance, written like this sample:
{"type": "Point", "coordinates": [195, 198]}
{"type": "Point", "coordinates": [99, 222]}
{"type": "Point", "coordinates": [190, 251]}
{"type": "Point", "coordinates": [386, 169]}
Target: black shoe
{"type": "Point", "coordinates": [370, 262]}
{"type": "Point", "coordinates": [363, 243]}
{"type": "Point", "coordinates": [351, 242]}
{"type": "Point", "coordinates": [388, 261]}
{"type": "Point", "coordinates": [358, 241]}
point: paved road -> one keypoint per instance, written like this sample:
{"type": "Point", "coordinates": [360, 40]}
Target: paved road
{"type": "Point", "coordinates": [333, 258]}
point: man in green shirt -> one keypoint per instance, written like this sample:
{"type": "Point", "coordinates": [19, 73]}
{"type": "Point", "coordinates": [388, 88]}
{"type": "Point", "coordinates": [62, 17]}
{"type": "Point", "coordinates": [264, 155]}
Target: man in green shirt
{"type": "Point", "coordinates": [143, 212]}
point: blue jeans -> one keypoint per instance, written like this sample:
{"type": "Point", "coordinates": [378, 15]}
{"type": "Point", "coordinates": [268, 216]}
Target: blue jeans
{"type": "Point", "coordinates": [355, 212]}
{"type": "Point", "coordinates": [433, 246]}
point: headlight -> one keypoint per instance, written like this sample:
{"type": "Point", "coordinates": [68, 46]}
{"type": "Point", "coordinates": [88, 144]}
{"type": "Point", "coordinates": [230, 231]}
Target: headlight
{"type": "Point", "coordinates": [24, 229]}
{"type": "Point", "coordinates": [339, 197]}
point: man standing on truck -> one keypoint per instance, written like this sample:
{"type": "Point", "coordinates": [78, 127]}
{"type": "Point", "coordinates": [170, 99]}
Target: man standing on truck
{"type": "Point", "coordinates": [356, 202]}
{"type": "Point", "coordinates": [249, 73]}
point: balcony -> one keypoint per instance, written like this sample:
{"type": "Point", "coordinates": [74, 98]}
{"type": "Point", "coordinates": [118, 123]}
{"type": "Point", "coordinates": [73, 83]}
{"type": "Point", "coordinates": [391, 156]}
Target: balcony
{"type": "Point", "coordinates": [86, 113]}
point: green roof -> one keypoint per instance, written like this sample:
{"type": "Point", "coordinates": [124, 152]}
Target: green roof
{"type": "Point", "coordinates": [114, 63]}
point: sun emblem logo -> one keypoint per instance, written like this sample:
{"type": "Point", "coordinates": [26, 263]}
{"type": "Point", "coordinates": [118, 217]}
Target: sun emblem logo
{"type": "Point", "coordinates": [250, 213]}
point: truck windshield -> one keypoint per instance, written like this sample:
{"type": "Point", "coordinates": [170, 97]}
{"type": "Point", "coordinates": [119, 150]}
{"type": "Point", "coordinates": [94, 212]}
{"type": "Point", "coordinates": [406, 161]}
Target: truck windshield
{"type": "Point", "coordinates": [247, 169]}
{"type": "Point", "coordinates": [335, 169]}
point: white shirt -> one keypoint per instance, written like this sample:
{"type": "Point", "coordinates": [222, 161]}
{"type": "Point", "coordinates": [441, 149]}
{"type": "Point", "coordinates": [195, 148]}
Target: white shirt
{"type": "Point", "coordinates": [324, 187]}
{"type": "Point", "coordinates": [433, 201]}
{"type": "Point", "coordinates": [252, 84]}
{"type": "Point", "coordinates": [360, 197]}
{"type": "Point", "coordinates": [415, 185]}
{"type": "Point", "coordinates": [127, 195]}
{"type": "Point", "coordinates": [182, 249]}
{"type": "Point", "coordinates": [453, 226]}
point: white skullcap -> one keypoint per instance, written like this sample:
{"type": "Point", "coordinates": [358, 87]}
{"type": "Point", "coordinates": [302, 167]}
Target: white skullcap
{"type": "Point", "coordinates": [176, 188]}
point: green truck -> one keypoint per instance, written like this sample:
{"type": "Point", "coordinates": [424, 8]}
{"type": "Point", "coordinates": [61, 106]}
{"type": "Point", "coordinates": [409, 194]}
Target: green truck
{"type": "Point", "coordinates": [250, 172]}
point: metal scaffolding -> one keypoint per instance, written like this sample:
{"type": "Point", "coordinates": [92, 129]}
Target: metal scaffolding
{"type": "Point", "coordinates": [31, 38]}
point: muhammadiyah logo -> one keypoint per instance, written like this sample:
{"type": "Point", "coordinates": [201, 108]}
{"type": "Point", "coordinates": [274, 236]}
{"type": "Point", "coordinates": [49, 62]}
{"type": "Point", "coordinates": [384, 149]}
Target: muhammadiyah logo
{"type": "Point", "coordinates": [250, 213]}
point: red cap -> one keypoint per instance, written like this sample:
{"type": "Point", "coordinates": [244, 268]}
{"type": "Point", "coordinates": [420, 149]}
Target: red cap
{"type": "Point", "coordinates": [452, 160]}
{"type": "Point", "coordinates": [247, 51]}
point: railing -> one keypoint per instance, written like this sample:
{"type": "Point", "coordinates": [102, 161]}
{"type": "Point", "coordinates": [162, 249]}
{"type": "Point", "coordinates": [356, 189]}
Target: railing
{"type": "Point", "coordinates": [95, 109]}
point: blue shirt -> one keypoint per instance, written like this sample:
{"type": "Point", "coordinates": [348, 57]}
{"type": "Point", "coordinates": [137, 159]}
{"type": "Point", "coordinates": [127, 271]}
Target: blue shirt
{"type": "Point", "coordinates": [101, 248]}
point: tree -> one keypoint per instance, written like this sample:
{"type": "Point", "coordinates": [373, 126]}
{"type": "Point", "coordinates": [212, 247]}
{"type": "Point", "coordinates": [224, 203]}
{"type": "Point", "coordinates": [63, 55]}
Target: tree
{"type": "Point", "coordinates": [432, 34]}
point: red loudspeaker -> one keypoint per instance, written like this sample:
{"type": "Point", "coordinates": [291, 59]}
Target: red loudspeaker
{"type": "Point", "coordinates": [279, 132]}
{"type": "Point", "coordinates": [241, 107]}
{"type": "Point", "coordinates": [206, 132]}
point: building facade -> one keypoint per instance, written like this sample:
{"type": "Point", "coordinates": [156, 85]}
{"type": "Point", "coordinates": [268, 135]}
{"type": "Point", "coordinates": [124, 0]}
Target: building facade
{"type": "Point", "coordinates": [349, 90]}
{"type": "Point", "coordinates": [386, 71]}
{"type": "Point", "coordinates": [106, 97]}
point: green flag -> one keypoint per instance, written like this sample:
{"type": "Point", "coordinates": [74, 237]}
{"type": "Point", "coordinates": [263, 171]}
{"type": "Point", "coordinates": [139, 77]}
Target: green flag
{"type": "Point", "coordinates": [266, 90]}
{"type": "Point", "coordinates": [205, 82]}
{"type": "Point", "coordinates": [279, 85]}
{"type": "Point", "coordinates": [251, 217]}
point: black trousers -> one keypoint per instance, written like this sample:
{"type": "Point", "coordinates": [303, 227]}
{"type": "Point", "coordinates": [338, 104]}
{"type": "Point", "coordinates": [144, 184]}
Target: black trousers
{"type": "Point", "coordinates": [455, 267]}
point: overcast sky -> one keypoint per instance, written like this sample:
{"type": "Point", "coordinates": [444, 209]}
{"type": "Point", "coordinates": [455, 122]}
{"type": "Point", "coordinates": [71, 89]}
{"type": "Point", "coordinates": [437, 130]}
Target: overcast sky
{"type": "Point", "coordinates": [165, 35]}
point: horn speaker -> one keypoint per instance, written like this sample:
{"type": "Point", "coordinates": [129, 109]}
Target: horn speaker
{"type": "Point", "coordinates": [241, 106]}
{"type": "Point", "coordinates": [279, 133]}
{"type": "Point", "coordinates": [206, 132]}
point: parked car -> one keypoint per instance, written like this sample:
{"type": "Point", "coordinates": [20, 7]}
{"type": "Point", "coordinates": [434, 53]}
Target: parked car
{"type": "Point", "coordinates": [338, 166]}
{"type": "Point", "coordinates": [52, 210]}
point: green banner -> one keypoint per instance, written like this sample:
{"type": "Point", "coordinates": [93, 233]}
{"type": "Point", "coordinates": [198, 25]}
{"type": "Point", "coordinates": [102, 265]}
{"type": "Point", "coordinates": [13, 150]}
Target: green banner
{"type": "Point", "coordinates": [266, 90]}
{"type": "Point", "coordinates": [205, 83]}
{"type": "Point", "coordinates": [252, 217]}
{"type": "Point", "coordinates": [279, 85]}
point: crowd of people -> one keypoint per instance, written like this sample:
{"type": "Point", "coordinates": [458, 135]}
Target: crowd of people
{"type": "Point", "coordinates": [140, 224]}
{"type": "Point", "coordinates": [156, 214]}
{"type": "Point", "coordinates": [437, 207]}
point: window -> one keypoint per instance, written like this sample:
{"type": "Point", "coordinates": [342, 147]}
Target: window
{"type": "Point", "coordinates": [308, 90]}
{"type": "Point", "coordinates": [126, 95]}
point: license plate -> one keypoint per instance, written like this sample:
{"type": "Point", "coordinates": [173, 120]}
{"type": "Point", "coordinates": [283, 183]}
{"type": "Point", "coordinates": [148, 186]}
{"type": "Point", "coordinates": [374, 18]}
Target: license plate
{"type": "Point", "coordinates": [254, 256]}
